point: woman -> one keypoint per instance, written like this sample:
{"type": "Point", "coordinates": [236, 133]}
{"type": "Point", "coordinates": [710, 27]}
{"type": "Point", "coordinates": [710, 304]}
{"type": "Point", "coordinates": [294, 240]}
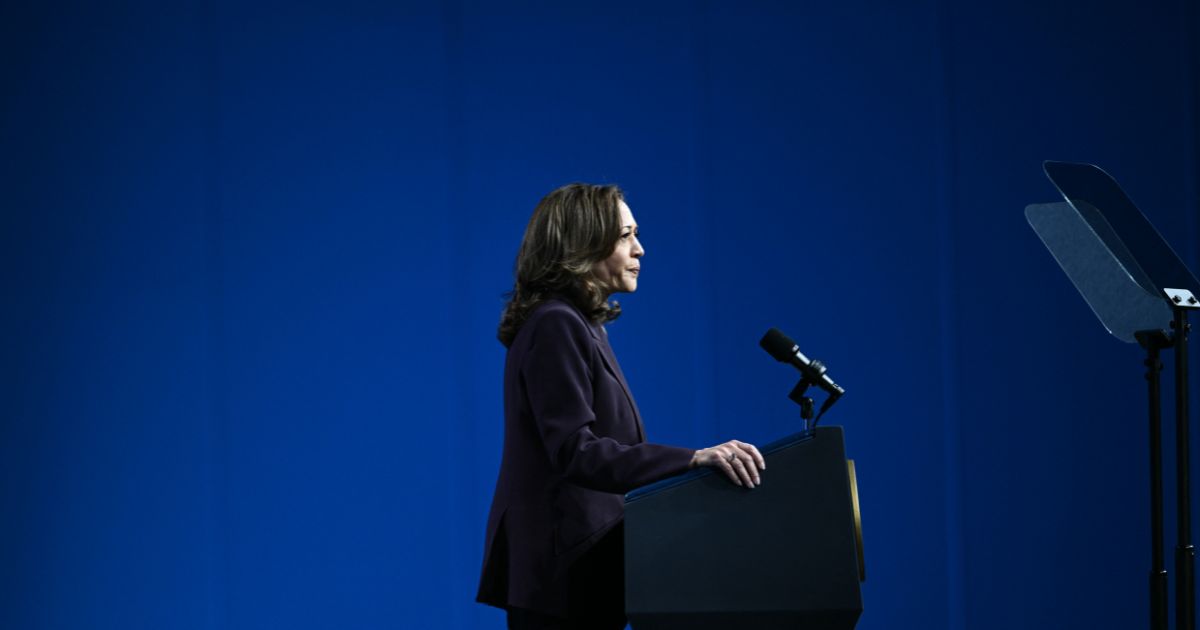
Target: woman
{"type": "Point", "coordinates": [573, 437]}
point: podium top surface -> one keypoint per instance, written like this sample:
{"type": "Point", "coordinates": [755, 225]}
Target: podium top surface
{"type": "Point", "coordinates": [778, 445]}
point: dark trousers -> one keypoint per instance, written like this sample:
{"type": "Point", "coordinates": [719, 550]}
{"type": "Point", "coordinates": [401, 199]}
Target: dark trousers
{"type": "Point", "coordinates": [595, 592]}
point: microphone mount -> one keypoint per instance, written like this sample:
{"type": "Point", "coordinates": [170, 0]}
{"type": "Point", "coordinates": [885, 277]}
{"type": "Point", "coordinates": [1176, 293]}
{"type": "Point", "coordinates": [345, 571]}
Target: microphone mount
{"type": "Point", "coordinates": [813, 372]}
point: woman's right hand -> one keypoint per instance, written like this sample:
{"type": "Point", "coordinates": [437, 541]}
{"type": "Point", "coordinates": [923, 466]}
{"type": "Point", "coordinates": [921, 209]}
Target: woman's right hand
{"type": "Point", "coordinates": [740, 461]}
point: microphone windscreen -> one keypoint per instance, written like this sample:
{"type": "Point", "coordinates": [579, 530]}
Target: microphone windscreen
{"type": "Point", "coordinates": [777, 344]}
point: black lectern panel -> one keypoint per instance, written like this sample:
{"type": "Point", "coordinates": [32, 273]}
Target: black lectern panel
{"type": "Point", "coordinates": [703, 553]}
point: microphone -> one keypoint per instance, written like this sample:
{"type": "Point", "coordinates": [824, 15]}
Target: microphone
{"type": "Point", "coordinates": [785, 350]}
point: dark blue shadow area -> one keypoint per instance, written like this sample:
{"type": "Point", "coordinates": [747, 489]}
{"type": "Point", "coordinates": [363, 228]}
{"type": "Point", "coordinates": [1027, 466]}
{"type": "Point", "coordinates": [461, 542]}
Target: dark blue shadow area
{"type": "Point", "coordinates": [253, 257]}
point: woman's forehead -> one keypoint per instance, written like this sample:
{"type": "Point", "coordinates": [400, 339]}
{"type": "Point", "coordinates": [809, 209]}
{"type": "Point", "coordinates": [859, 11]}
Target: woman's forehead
{"type": "Point", "coordinates": [626, 214]}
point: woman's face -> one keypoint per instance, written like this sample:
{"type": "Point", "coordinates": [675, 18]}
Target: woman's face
{"type": "Point", "coordinates": [619, 272]}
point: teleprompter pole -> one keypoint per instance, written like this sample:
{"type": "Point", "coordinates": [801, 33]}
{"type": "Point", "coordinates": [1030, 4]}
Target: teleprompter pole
{"type": "Point", "coordinates": [1154, 342]}
{"type": "Point", "coordinates": [1185, 553]}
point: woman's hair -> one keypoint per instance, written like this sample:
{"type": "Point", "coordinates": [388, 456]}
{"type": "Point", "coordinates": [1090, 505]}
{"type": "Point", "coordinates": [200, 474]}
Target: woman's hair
{"type": "Point", "coordinates": [571, 230]}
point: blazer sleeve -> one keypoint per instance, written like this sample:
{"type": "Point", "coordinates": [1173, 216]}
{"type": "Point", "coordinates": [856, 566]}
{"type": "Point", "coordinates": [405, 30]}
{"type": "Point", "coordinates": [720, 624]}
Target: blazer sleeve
{"type": "Point", "coordinates": [558, 380]}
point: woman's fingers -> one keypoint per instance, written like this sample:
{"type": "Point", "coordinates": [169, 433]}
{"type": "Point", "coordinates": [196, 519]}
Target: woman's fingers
{"type": "Point", "coordinates": [743, 470]}
{"type": "Point", "coordinates": [753, 452]}
{"type": "Point", "coordinates": [741, 462]}
{"type": "Point", "coordinates": [724, 464]}
{"type": "Point", "coordinates": [751, 466]}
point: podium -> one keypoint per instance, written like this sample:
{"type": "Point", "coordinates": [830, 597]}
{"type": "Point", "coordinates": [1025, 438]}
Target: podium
{"type": "Point", "coordinates": [701, 552]}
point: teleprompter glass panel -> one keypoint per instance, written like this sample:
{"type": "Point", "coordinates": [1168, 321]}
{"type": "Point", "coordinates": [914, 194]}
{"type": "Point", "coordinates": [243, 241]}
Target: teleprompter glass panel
{"type": "Point", "coordinates": [1149, 251]}
{"type": "Point", "coordinates": [1101, 267]}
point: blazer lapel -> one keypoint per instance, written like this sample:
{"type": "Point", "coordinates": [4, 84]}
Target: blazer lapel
{"type": "Point", "coordinates": [610, 360]}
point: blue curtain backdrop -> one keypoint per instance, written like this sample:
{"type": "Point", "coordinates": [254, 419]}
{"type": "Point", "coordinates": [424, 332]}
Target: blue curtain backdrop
{"type": "Point", "coordinates": [253, 257]}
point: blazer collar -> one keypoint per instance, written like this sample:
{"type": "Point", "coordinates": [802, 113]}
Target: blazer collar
{"type": "Point", "coordinates": [610, 361]}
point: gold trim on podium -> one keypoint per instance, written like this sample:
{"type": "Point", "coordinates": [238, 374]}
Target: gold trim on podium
{"type": "Point", "coordinates": [862, 565]}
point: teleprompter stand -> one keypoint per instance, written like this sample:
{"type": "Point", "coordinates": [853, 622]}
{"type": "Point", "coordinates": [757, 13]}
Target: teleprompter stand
{"type": "Point", "coordinates": [1139, 289]}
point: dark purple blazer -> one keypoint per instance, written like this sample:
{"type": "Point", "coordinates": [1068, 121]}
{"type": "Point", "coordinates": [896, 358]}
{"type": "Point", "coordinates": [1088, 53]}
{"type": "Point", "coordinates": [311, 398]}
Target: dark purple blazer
{"type": "Point", "coordinates": [573, 444]}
